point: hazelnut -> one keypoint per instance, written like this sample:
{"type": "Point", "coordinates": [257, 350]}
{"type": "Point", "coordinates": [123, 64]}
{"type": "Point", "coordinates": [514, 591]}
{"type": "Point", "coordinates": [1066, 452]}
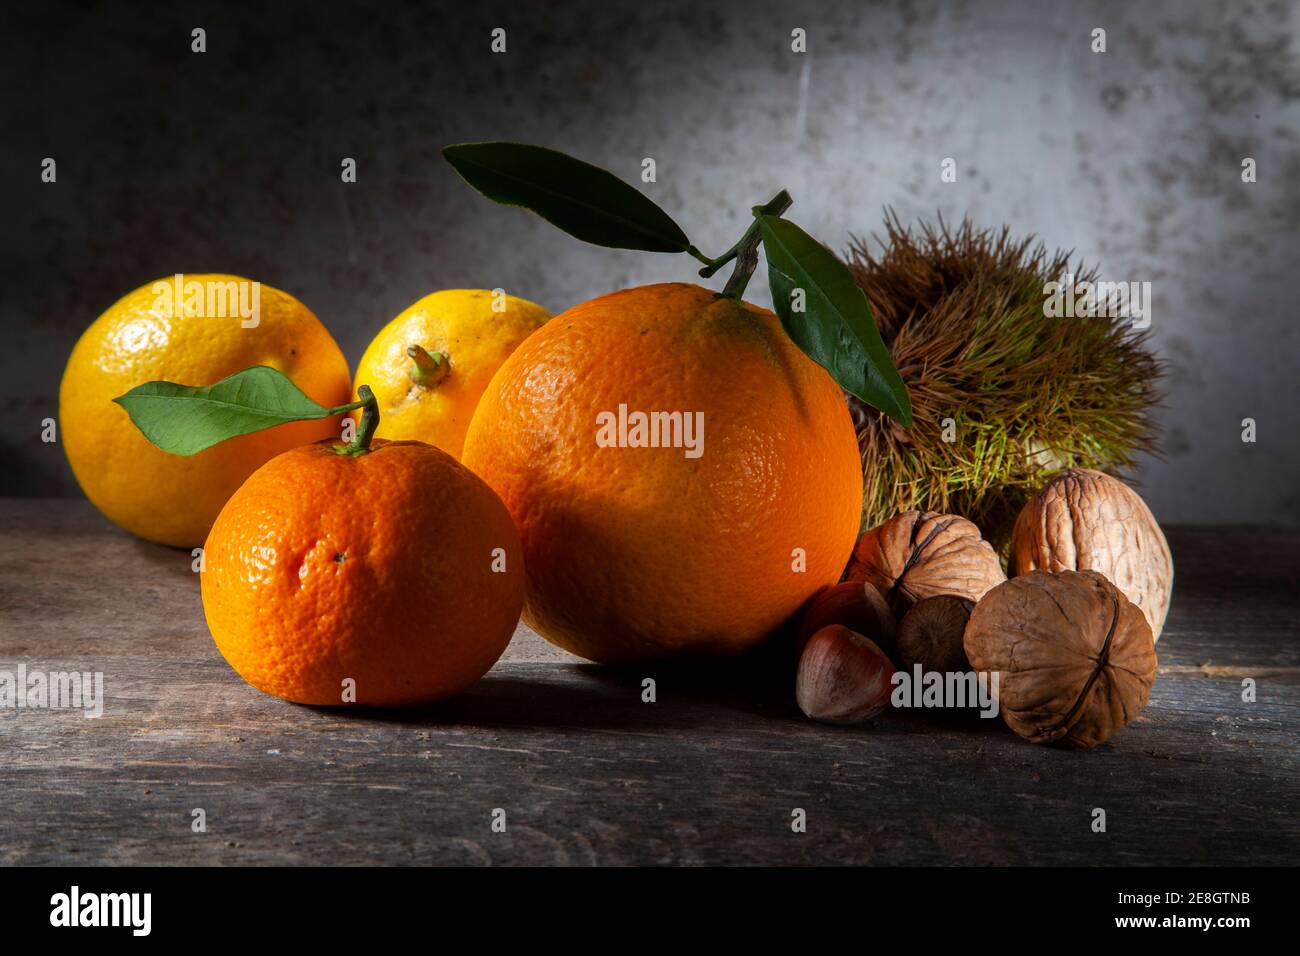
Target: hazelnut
{"type": "Point", "coordinates": [920, 554]}
{"type": "Point", "coordinates": [855, 604]}
{"type": "Point", "coordinates": [844, 678]}
{"type": "Point", "coordinates": [1083, 520]}
{"type": "Point", "coordinates": [1075, 657]}
{"type": "Point", "coordinates": [930, 634]}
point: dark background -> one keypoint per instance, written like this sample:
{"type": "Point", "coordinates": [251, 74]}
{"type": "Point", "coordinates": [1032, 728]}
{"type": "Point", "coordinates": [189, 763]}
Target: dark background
{"type": "Point", "coordinates": [171, 161]}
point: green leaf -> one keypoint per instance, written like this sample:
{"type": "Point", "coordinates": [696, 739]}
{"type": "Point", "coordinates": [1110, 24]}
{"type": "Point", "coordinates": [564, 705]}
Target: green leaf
{"type": "Point", "coordinates": [836, 328]}
{"type": "Point", "coordinates": [584, 200]}
{"type": "Point", "coordinates": [186, 419]}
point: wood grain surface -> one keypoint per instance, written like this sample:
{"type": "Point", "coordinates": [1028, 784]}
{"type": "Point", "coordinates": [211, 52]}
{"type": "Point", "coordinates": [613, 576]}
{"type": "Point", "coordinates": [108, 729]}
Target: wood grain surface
{"type": "Point", "coordinates": [589, 774]}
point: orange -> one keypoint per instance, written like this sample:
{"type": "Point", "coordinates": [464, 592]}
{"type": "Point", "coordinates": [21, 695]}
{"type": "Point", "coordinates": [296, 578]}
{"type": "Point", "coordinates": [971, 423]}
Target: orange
{"type": "Point", "coordinates": [460, 338]}
{"type": "Point", "coordinates": [154, 334]}
{"type": "Point", "coordinates": [396, 573]}
{"type": "Point", "coordinates": [637, 553]}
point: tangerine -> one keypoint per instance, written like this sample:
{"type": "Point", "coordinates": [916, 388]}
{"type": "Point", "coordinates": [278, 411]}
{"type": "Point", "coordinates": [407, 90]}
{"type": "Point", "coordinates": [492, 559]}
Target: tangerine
{"type": "Point", "coordinates": [394, 573]}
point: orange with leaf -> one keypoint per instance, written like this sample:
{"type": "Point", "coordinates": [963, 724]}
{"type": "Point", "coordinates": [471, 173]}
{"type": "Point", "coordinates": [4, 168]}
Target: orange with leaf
{"type": "Point", "coordinates": [731, 489]}
{"type": "Point", "coordinates": [376, 572]}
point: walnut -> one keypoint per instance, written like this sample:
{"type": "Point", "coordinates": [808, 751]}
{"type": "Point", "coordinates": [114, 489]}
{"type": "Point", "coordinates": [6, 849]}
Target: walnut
{"type": "Point", "coordinates": [1083, 520]}
{"type": "Point", "coordinates": [920, 554]}
{"type": "Point", "coordinates": [1076, 659]}
{"type": "Point", "coordinates": [930, 634]}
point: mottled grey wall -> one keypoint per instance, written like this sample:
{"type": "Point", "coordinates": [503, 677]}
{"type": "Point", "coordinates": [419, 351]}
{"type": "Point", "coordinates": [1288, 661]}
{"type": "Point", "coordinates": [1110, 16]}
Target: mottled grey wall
{"type": "Point", "coordinates": [229, 161]}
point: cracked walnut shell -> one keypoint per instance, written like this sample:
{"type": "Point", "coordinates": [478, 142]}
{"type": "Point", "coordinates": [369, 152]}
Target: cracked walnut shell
{"type": "Point", "coordinates": [1075, 657]}
{"type": "Point", "coordinates": [1084, 520]}
{"type": "Point", "coordinates": [921, 554]}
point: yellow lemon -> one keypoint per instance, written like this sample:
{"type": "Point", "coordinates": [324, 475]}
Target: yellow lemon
{"type": "Point", "coordinates": [191, 329]}
{"type": "Point", "coordinates": [430, 365]}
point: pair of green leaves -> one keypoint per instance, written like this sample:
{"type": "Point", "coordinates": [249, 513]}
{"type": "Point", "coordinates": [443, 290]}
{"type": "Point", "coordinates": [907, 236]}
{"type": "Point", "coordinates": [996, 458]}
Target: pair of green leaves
{"type": "Point", "coordinates": [820, 306]}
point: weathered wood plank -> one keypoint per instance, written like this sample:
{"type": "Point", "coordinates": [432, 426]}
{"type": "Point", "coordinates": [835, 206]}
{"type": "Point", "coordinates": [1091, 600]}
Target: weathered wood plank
{"type": "Point", "coordinates": [587, 773]}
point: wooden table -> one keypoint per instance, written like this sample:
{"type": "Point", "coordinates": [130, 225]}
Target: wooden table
{"type": "Point", "coordinates": [588, 773]}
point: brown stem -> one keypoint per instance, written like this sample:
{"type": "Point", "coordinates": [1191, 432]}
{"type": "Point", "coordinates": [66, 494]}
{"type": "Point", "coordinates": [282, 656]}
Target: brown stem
{"type": "Point", "coordinates": [747, 248]}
